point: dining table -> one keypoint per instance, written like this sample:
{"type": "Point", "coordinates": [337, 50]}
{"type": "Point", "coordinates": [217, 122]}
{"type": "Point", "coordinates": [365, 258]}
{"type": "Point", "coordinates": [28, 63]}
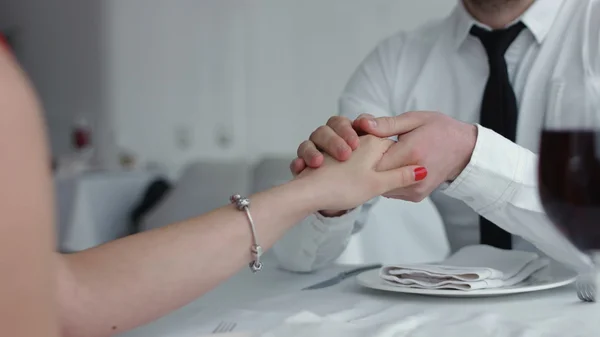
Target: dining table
{"type": "Point", "coordinates": [94, 207]}
{"type": "Point", "coordinates": [254, 302]}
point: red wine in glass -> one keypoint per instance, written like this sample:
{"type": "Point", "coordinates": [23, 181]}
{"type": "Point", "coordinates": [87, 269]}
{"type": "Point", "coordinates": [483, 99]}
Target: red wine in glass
{"type": "Point", "coordinates": [569, 169]}
{"type": "Point", "coordinates": [569, 184]}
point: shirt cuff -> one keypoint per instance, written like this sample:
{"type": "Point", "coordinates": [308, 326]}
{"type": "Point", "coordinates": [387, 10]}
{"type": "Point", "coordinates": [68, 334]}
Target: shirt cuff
{"type": "Point", "coordinates": [492, 174]}
{"type": "Point", "coordinates": [315, 242]}
{"type": "Point", "coordinates": [330, 224]}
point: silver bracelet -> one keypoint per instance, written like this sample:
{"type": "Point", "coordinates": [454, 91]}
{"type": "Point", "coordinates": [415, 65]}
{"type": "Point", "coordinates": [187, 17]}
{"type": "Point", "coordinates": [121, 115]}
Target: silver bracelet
{"type": "Point", "coordinates": [243, 204]}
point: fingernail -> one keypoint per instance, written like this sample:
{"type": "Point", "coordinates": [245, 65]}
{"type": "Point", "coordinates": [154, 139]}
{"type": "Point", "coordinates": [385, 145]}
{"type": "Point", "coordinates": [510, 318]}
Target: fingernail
{"type": "Point", "coordinates": [420, 173]}
{"type": "Point", "coordinates": [372, 123]}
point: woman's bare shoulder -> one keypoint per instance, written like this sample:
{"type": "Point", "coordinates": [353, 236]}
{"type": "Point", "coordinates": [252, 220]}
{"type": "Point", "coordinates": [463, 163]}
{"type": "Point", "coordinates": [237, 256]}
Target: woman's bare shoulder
{"type": "Point", "coordinates": [23, 149]}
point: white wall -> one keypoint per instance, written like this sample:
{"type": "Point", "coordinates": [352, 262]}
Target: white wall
{"type": "Point", "coordinates": [60, 45]}
{"type": "Point", "coordinates": [183, 79]}
{"type": "Point", "coordinates": [301, 53]}
{"type": "Point", "coordinates": [261, 73]}
{"type": "Point", "coordinates": [177, 68]}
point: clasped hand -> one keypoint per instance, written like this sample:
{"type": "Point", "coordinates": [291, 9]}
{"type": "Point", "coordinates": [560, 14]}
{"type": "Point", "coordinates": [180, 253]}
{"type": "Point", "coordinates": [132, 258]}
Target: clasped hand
{"type": "Point", "coordinates": [428, 140]}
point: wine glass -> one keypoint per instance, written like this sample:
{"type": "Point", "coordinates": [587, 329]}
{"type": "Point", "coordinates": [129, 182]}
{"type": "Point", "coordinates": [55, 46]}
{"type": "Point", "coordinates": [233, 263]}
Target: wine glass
{"type": "Point", "coordinates": [569, 169]}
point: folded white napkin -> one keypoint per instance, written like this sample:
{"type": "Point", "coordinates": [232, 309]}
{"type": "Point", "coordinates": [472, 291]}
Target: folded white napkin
{"type": "Point", "coordinates": [470, 268]}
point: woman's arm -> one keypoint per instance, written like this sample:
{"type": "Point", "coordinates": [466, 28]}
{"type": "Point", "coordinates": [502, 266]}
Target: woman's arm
{"type": "Point", "coordinates": [27, 302]}
{"type": "Point", "coordinates": [131, 281]}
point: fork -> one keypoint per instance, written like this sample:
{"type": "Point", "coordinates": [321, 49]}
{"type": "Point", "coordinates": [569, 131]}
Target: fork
{"type": "Point", "coordinates": [586, 288]}
{"type": "Point", "coordinates": [587, 282]}
{"type": "Point", "coordinates": [224, 327]}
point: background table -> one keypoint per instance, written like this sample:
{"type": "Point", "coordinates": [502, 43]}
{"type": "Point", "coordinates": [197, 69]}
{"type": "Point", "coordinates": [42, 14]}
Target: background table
{"type": "Point", "coordinates": [93, 208]}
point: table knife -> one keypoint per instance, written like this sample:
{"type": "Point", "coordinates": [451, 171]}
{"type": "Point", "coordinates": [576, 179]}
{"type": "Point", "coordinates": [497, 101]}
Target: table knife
{"type": "Point", "coordinates": [342, 276]}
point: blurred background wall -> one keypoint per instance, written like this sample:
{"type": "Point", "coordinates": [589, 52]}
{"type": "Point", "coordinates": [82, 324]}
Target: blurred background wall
{"type": "Point", "coordinates": [174, 81]}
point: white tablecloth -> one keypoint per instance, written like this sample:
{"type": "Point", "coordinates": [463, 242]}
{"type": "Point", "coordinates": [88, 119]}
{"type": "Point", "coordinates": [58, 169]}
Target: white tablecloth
{"type": "Point", "coordinates": [93, 208]}
{"type": "Point", "coordinates": [261, 300]}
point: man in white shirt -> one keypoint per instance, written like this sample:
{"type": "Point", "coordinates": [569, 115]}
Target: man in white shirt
{"type": "Point", "coordinates": [473, 171]}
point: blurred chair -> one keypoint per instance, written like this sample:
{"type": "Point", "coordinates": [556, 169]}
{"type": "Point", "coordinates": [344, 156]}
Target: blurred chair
{"type": "Point", "coordinates": [154, 193]}
{"type": "Point", "coordinates": [270, 172]}
{"type": "Point", "coordinates": [203, 186]}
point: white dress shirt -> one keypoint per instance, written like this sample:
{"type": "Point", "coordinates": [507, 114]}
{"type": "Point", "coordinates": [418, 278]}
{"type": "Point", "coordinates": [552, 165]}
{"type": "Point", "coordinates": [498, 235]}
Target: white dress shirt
{"type": "Point", "coordinates": [441, 67]}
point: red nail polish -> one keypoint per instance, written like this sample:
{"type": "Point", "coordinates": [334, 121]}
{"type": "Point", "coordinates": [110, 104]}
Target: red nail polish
{"type": "Point", "coordinates": [420, 173]}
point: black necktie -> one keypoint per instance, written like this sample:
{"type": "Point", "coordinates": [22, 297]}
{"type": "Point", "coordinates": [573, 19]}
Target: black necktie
{"type": "Point", "coordinates": [498, 109]}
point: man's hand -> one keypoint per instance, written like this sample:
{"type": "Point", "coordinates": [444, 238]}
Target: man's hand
{"type": "Point", "coordinates": [434, 140]}
{"type": "Point", "coordinates": [352, 182]}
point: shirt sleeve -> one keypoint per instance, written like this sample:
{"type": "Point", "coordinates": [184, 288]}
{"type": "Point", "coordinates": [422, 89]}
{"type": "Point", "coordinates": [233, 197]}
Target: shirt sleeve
{"type": "Point", "coordinates": [318, 241]}
{"type": "Point", "coordinates": [500, 183]}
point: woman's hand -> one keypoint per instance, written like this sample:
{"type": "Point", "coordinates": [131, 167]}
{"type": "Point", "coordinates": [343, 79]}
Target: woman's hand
{"type": "Point", "coordinates": [351, 183]}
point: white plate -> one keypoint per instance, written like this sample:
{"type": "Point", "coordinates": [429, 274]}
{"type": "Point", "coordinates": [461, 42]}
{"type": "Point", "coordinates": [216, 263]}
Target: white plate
{"type": "Point", "coordinates": [553, 276]}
